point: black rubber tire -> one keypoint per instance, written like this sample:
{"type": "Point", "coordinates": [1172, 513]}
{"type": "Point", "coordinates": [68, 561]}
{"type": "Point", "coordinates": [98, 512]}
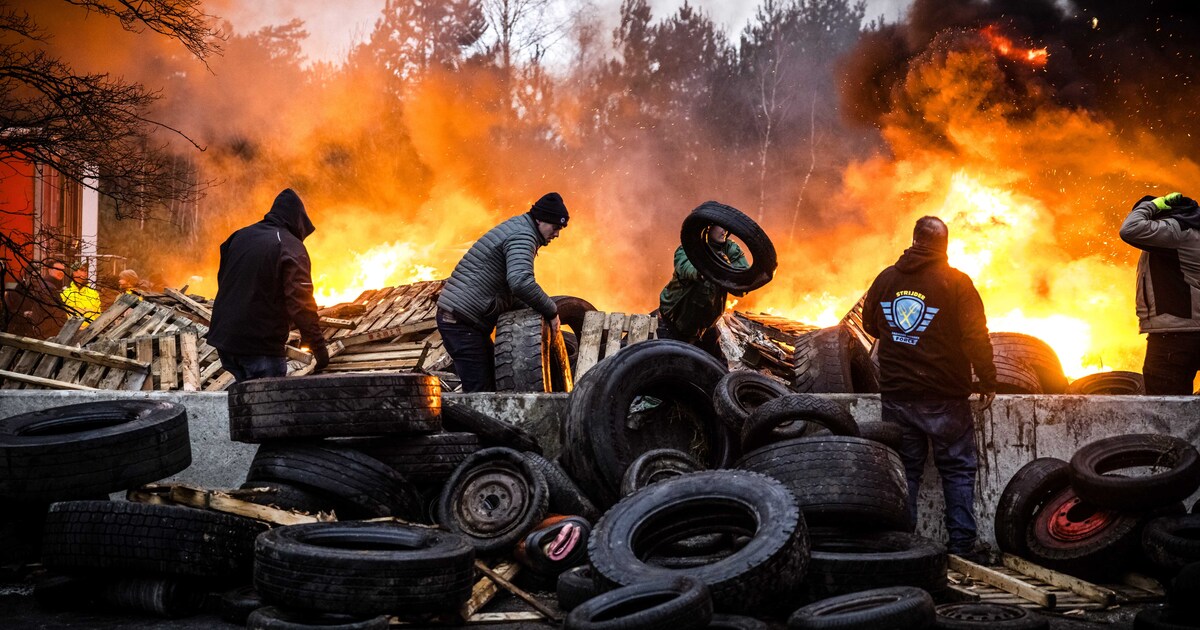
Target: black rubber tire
{"type": "Point", "coordinates": [832, 361]}
{"type": "Point", "coordinates": [790, 417]}
{"type": "Point", "coordinates": [162, 597]}
{"type": "Point", "coordinates": [422, 459]}
{"type": "Point", "coordinates": [740, 392]}
{"type": "Point", "coordinates": [1172, 542]}
{"type": "Point", "coordinates": [91, 449]}
{"type": "Point", "coordinates": [571, 311]}
{"type": "Point", "coordinates": [274, 618]}
{"type": "Point", "coordinates": [1028, 489]}
{"type": "Point", "coordinates": [1162, 618]}
{"type": "Point", "coordinates": [286, 496]}
{"type": "Point", "coordinates": [1034, 353]}
{"type": "Point", "coordinates": [1115, 383]}
{"type": "Point", "coordinates": [755, 579]}
{"type": "Point", "coordinates": [1183, 591]}
{"type": "Point", "coordinates": [654, 466]}
{"type": "Point", "coordinates": [888, 434]}
{"type": "Point", "coordinates": [532, 551]}
{"type": "Point", "coordinates": [519, 354]}
{"type": "Point", "coordinates": [1094, 543]}
{"type": "Point", "coordinates": [334, 405]}
{"type": "Point", "coordinates": [565, 496]}
{"type": "Point", "coordinates": [237, 604]}
{"type": "Point", "coordinates": [491, 431]}
{"type": "Point", "coordinates": [985, 615]}
{"type": "Point", "coordinates": [364, 486]}
{"type": "Point", "coordinates": [693, 235]}
{"type": "Point", "coordinates": [905, 607]}
{"type": "Point", "coordinates": [1014, 376]}
{"type": "Point", "coordinates": [488, 514]}
{"type": "Point", "coordinates": [1092, 461]}
{"type": "Point", "coordinates": [107, 536]}
{"type": "Point", "coordinates": [844, 562]}
{"type": "Point", "coordinates": [838, 480]}
{"type": "Point", "coordinates": [599, 441]}
{"type": "Point", "coordinates": [736, 622]}
{"type": "Point", "coordinates": [677, 602]}
{"type": "Point", "coordinates": [363, 568]}
{"type": "Point", "coordinates": [576, 586]}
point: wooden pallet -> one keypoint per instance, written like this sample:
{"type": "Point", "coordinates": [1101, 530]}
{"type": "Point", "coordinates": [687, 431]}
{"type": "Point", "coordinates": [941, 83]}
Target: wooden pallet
{"type": "Point", "coordinates": [179, 360]}
{"type": "Point", "coordinates": [1020, 582]}
{"type": "Point", "coordinates": [396, 330]}
{"type": "Point", "coordinates": [604, 334]}
{"type": "Point", "coordinates": [33, 364]}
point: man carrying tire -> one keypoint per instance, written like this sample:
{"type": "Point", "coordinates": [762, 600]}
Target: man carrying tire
{"type": "Point", "coordinates": [932, 330]}
{"type": "Point", "coordinates": [1167, 230]}
{"type": "Point", "coordinates": [690, 303]}
{"type": "Point", "coordinates": [264, 284]}
{"type": "Point", "coordinates": [493, 277]}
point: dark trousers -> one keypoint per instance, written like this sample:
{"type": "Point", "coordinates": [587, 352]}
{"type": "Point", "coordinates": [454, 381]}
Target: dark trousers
{"type": "Point", "coordinates": [245, 367]}
{"type": "Point", "coordinates": [1172, 360]}
{"type": "Point", "coordinates": [473, 352]}
{"type": "Point", "coordinates": [708, 340]}
{"type": "Point", "coordinates": [949, 426]}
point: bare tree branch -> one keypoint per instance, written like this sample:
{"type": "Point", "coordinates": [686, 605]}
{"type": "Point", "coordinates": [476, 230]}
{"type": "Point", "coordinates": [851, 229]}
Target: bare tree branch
{"type": "Point", "coordinates": [182, 20]}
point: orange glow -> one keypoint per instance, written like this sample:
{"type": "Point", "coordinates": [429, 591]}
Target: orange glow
{"type": "Point", "coordinates": [1009, 50]}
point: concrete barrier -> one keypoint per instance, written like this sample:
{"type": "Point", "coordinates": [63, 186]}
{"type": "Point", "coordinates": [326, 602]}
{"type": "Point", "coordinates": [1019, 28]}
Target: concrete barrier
{"type": "Point", "coordinates": [1014, 431]}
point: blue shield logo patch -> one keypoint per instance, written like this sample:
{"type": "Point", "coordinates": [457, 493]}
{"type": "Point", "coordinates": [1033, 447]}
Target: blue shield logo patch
{"type": "Point", "coordinates": [908, 312]}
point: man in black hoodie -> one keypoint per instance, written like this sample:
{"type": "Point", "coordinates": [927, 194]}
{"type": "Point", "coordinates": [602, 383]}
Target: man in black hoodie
{"type": "Point", "coordinates": [931, 329]}
{"type": "Point", "coordinates": [264, 284]}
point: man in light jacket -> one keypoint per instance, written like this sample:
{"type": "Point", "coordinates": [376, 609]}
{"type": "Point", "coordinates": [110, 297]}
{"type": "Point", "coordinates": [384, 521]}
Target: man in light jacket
{"type": "Point", "coordinates": [1167, 230]}
{"type": "Point", "coordinates": [494, 276]}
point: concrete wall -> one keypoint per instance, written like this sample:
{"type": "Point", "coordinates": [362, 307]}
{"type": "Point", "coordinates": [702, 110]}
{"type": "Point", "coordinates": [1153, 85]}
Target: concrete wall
{"type": "Point", "coordinates": [1016, 430]}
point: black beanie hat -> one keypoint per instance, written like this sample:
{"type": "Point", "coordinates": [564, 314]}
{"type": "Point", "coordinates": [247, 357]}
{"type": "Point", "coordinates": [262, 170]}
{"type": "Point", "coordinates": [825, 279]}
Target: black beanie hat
{"type": "Point", "coordinates": [551, 209]}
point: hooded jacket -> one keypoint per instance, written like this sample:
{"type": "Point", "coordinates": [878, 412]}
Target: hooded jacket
{"type": "Point", "coordinates": [264, 284]}
{"type": "Point", "coordinates": [1168, 272]}
{"type": "Point", "coordinates": [931, 328]}
{"type": "Point", "coordinates": [689, 302]}
{"type": "Point", "coordinates": [497, 272]}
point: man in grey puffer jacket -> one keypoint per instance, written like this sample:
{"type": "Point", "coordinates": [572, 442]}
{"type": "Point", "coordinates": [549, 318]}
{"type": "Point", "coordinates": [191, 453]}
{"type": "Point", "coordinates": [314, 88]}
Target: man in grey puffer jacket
{"type": "Point", "coordinates": [496, 275]}
{"type": "Point", "coordinates": [1167, 230]}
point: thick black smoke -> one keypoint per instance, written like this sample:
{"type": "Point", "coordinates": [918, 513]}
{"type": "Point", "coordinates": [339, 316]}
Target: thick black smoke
{"type": "Point", "coordinates": [1133, 63]}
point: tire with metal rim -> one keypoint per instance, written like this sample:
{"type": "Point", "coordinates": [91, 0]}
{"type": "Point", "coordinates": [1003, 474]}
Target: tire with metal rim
{"type": "Point", "coordinates": [1031, 486]}
{"type": "Point", "coordinates": [754, 579]}
{"type": "Point", "coordinates": [693, 236]}
{"type": "Point", "coordinates": [565, 495]}
{"type": "Point", "coordinates": [334, 405]}
{"type": "Point", "coordinates": [792, 416]}
{"type": "Point", "coordinates": [91, 449]}
{"type": "Point", "coordinates": [740, 392]}
{"type": "Point", "coordinates": [1177, 475]}
{"type": "Point", "coordinates": [363, 568]}
{"type": "Point", "coordinates": [655, 466]}
{"type": "Point", "coordinates": [1074, 536]}
{"type": "Point", "coordinates": [274, 618]}
{"type": "Point", "coordinates": [1115, 383]}
{"type": "Point", "coordinates": [679, 603]}
{"type": "Point", "coordinates": [494, 498]}
{"type": "Point", "coordinates": [895, 607]}
{"type": "Point", "coordinates": [983, 615]}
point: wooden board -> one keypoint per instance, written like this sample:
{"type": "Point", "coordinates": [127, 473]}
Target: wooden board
{"type": "Point", "coordinates": [1020, 582]}
{"type": "Point", "coordinates": [604, 334]}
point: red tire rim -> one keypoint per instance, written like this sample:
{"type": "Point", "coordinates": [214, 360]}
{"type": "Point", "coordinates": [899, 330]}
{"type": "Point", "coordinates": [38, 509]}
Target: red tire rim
{"type": "Point", "coordinates": [1066, 518]}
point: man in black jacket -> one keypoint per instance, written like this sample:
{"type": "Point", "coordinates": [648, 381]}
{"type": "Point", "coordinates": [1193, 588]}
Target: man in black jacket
{"type": "Point", "coordinates": [264, 284]}
{"type": "Point", "coordinates": [931, 329]}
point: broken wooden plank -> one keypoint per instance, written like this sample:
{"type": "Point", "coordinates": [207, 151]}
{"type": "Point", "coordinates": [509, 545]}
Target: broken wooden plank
{"type": "Point", "coordinates": [639, 328]}
{"type": "Point", "coordinates": [615, 328]}
{"type": "Point", "coordinates": [69, 352]}
{"type": "Point", "coordinates": [331, 322]}
{"type": "Point", "coordinates": [221, 383]}
{"type": "Point", "coordinates": [403, 364]}
{"type": "Point", "coordinates": [48, 383]}
{"type": "Point", "coordinates": [167, 375]}
{"type": "Point", "coordinates": [189, 363]}
{"type": "Point", "coordinates": [515, 590]}
{"type": "Point", "coordinates": [216, 500]}
{"type": "Point", "coordinates": [110, 315]}
{"type": "Point", "coordinates": [486, 588]}
{"type": "Point", "coordinates": [144, 351]}
{"type": "Point", "coordinates": [118, 329]}
{"type": "Point", "coordinates": [1007, 583]}
{"type": "Point", "coordinates": [196, 307]}
{"type": "Point", "coordinates": [391, 332]}
{"type": "Point", "coordinates": [588, 353]}
{"type": "Point", "coordinates": [1103, 596]}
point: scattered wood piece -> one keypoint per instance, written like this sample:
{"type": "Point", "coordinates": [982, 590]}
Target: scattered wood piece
{"type": "Point", "coordinates": [219, 501]}
{"type": "Point", "coordinates": [512, 588]}
{"type": "Point", "coordinates": [330, 322]}
{"type": "Point", "coordinates": [200, 309]}
{"type": "Point", "coordinates": [486, 588]}
{"type": "Point", "coordinates": [1103, 596]}
{"type": "Point", "coordinates": [1007, 583]}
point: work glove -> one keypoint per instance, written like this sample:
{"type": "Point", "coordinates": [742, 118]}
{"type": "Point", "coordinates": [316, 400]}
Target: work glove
{"type": "Point", "coordinates": [1172, 201]}
{"type": "Point", "coordinates": [321, 354]}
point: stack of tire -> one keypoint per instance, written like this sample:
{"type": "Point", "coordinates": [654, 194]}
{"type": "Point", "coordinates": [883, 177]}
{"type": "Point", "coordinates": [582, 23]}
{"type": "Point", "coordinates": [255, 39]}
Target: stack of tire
{"type": "Point", "coordinates": [1026, 365]}
{"type": "Point", "coordinates": [833, 361]}
{"type": "Point", "coordinates": [59, 466]}
{"type": "Point", "coordinates": [1094, 518]}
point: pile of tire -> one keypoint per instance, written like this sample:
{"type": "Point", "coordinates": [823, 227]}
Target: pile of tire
{"type": "Point", "coordinates": [59, 467]}
{"type": "Point", "coordinates": [1026, 365]}
{"type": "Point", "coordinates": [520, 347]}
{"type": "Point", "coordinates": [1115, 507]}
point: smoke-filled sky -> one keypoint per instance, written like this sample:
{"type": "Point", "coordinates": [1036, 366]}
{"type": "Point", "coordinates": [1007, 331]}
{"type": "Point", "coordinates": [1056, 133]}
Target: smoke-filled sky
{"type": "Point", "coordinates": [334, 27]}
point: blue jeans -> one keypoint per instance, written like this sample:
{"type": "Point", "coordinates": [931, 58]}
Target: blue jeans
{"type": "Point", "coordinates": [472, 350]}
{"type": "Point", "coordinates": [245, 367]}
{"type": "Point", "coordinates": [949, 426]}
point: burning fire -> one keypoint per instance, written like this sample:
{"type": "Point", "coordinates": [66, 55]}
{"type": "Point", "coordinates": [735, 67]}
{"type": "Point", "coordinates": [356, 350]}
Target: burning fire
{"type": "Point", "coordinates": [386, 265]}
{"type": "Point", "coordinates": [1006, 48]}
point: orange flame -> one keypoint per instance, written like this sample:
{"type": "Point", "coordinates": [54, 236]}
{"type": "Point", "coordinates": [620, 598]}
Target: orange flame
{"type": "Point", "coordinates": [1008, 49]}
